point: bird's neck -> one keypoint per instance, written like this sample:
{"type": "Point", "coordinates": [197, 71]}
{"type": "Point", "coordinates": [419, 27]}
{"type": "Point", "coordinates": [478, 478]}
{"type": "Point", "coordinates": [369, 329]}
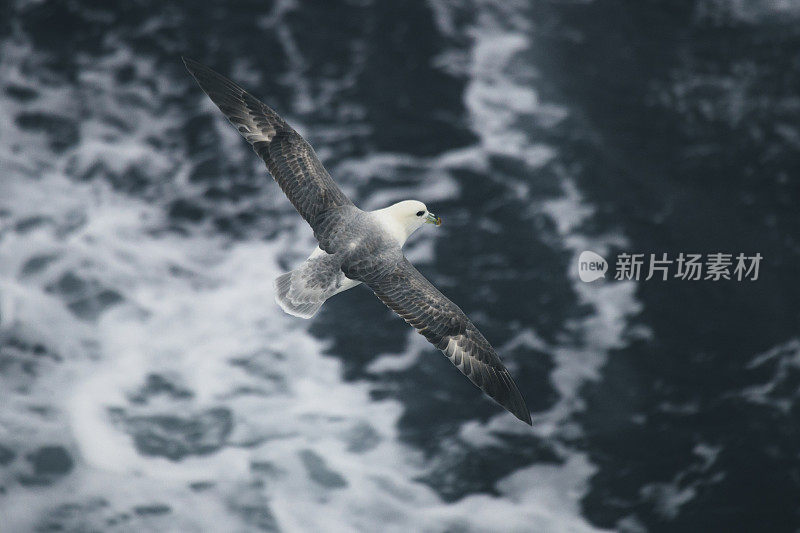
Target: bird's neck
{"type": "Point", "coordinates": [393, 226]}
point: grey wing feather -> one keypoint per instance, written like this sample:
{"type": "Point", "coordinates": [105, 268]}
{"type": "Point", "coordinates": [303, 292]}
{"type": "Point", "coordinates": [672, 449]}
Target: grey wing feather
{"type": "Point", "coordinates": [406, 292]}
{"type": "Point", "coordinates": [289, 158]}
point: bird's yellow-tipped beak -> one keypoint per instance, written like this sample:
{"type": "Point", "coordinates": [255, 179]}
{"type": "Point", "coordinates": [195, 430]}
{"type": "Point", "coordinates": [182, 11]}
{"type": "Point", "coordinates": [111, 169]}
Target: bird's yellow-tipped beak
{"type": "Point", "coordinates": [433, 219]}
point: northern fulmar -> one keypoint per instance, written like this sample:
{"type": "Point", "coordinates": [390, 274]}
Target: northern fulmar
{"type": "Point", "coordinates": [357, 246]}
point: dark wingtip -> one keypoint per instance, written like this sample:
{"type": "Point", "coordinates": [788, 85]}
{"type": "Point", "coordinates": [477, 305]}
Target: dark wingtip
{"type": "Point", "coordinates": [516, 403]}
{"type": "Point", "coordinates": [194, 67]}
{"type": "Point", "coordinates": [519, 409]}
{"type": "Point", "coordinates": [524, 415]}
{"type": "Point", "coordinates": [219, 88]}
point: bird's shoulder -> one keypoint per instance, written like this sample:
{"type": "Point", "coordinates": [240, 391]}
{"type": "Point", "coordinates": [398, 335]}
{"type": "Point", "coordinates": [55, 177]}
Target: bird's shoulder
{"type": "Point", "coordinates": [336, 228]}
{"type": "Point", "coordinates": [364, 245]}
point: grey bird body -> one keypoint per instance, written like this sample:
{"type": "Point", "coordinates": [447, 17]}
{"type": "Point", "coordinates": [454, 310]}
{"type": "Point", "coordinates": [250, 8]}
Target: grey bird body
{"type": "Point", "coordinates": [357, 246]}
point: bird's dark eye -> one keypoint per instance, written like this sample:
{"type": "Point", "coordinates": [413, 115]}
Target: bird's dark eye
{"type": "Point", "coordinates": [420, 213]}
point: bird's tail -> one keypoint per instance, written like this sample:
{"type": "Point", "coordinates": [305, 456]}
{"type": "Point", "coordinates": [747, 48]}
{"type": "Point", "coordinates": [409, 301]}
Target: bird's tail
{"type": "Point", "coordinates": [296, 302]}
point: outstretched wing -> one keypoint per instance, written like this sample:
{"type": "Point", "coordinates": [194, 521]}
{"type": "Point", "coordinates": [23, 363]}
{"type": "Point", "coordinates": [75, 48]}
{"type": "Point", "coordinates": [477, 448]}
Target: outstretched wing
{"type": "Point", "coordinates": [289, 158]}
{"type": "Point", "coordinates": [406, 292]}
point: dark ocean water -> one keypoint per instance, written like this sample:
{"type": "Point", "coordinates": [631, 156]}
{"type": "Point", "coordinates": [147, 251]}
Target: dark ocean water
{"type": "Point", "coordinates": [148, 381]}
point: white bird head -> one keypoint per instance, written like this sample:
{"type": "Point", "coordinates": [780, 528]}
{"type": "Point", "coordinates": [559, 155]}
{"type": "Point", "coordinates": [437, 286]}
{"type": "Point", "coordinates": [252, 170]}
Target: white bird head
{"type": "Point", "coordinates": [408, 216]}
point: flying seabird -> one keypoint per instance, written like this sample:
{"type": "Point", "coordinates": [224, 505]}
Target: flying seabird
{"type": "Point", "coordinates": [357, 246]}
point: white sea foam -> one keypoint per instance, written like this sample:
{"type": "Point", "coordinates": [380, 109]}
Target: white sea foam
{"type": "Point", "coordinates": [191, 306]}
{"type": "Point", "coordinates": [497, 97]}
